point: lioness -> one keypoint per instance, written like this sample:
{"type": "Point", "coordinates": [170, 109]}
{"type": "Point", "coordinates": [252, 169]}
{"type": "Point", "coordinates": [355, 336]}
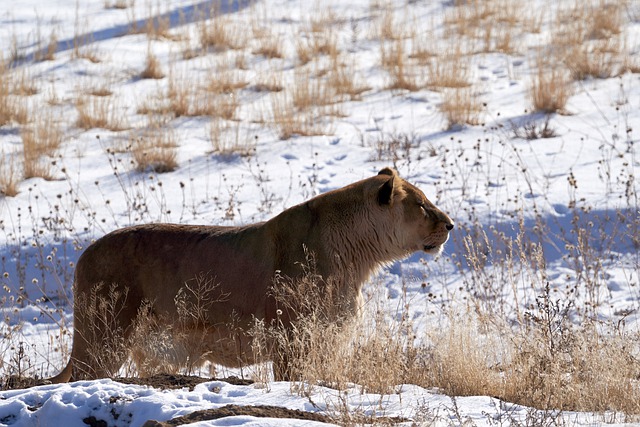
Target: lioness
{"type": "Point", "coordinates": [350, 232]}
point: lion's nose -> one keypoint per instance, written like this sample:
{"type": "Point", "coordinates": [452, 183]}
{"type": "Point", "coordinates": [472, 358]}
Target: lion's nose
{"type": "Point", "coordinates": [449, 227]}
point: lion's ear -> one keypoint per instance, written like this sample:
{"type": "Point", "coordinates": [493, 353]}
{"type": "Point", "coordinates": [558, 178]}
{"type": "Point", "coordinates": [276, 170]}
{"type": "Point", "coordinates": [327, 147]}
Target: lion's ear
{"type": "Point", "coordinates": [387, 171]}
{"type": "Point", "coordinates": [385, 192]}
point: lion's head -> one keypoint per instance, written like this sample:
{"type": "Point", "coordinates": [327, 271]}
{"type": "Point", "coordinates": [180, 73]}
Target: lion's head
{"type": "Point", "coordinates": [423, 227]}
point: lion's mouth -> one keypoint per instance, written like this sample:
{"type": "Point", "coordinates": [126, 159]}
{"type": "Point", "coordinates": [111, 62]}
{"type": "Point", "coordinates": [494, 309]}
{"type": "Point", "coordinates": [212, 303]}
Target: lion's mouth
{"type": "Point", "coordinates": [433, 249]}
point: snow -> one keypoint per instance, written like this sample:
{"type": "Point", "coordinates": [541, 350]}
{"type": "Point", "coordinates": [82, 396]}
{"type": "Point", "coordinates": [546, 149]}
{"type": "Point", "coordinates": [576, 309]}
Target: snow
{"type": "Point", "coordinates": [127, 405]}
{"type": "Point", "coordinates": [477, 174]}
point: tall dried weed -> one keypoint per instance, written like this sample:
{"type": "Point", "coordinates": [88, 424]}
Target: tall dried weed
{"type": "Point", "coordinates": [461, 107]}
{"type": "Point", "coordinates": [550, 87]}
{"type": "Point", "coordinates": [100, 112]}
{"type": "Point", "coordinates": [40, 140]}
{"type": "Point", "coordinates": [155, 147]}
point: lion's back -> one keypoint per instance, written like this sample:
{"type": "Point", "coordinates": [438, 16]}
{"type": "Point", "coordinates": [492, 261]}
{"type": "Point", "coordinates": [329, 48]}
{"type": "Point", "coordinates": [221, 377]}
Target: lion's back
{"type": "Point", "coordinates": [154, 261]}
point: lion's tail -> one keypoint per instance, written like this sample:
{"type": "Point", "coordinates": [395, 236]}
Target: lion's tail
{"type": "Point", "coordinates": [64, 376]}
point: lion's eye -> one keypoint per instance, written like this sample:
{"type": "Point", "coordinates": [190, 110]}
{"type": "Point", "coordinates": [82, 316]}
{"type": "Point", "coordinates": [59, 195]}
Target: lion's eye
{"type": "Point", "coordinates": [424, 209]}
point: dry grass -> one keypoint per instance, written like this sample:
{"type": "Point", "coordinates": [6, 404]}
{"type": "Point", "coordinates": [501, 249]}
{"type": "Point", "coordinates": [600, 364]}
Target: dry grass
{"type": "Point", "coordinates": [226, 138]}
{"type": "Point", "coordinates": [461, 107]}
{"type": "Point", "coordinates": [99, 112]}
{"type": "Point", "coordinates": [338, 354]}
{"type": "Point", "coordinates": [6, 112]}
{"type": "Point", "coordinates": [309, 90]}
{"type": "Point", "coordinates": [600, 368]}
{"type": "Point", "coordinates": [605, 18]}
{"type": "Point", "coordinates": [40, 141]}
{"type": "Point", "coordinates": [320, 39]}
{"type": "Point", "coordinates": [304, 51]}
{"type": "Point", "coordinates": [345, 81]}
{"type": "Point", "coordinates": [578, 368]}
{"type": "Point", "coordinates": [180, 94]}
{"type": "Point", "coordinates": [490, 26]}
{"type": "Point", "coordinates": [105, 336]}
{"type": "Point", "coordinates": [394, 60]}
{"type": "Point", "coordinates": [33, 164]}
{"type": "Point", "coordinates": [157, 27]}
{"type": "Point", "coordinates": [218, 96]}
{"type": "Point", "coordinates": [451, 70]}
{"type": "Point", "coordinates": [184, 97]}
{"type": "Point", "coordinates": [48, 53]}
{"type": "Point", "coordinates": [20, 108]}
{"type": "Point", "coordinates": [550, 87]}
{"type": "Point", "coordinates": [534, 129]}
{"type": "Point", "coordinates": [225, 79]}
{"type": "Point", "coordinates": [154, 104]}
{"type": "Point", "coordinates": [269, 45]}
{"type": "Point", "coordinates": [500, 39]}
{"type": "Point", "coordinates": [100, 87]}
{"type": "Point", "coordinates": [83, 46]}
{"type": "Point", "coordinates": [152, 68]}
{"type": "Point", "coordinates": [9, 175]}
{"type": "Point", "coordinates": [268, 82]}
{"type": "Point", "coordinates": [312, 44]}
{"type": "Point", "coordinates": [466, 19]}
{"type": "Point", "coordinates": [598, 59]}
{"type": "Point", "coordinates": [630, 62]}
{"type": "Point", "coordinates": [155, 147]}
{"type": "Point", "coordinates": [589, 40]}
{"type": "Point", "coordinates": [22, 83]}
{"type": "Point", "coordinates": [312, 94]}
{"type": "Point", "coordinates": [424, 47]}
{"type": "Point", "coordinates": [289, 121]}
{"type": "Point", "coordinates": [547, 361]}
{"type": "Point", "coordinates": [220, 33]}
{"type": "Point", "coordinates": [224, 105]}
{"type": "Point", "coordinates": [222, 90]}
{"type": "Point", "coordinates": [118, 4]}
{"type": "Point", "coordinates": [161, 346]}
{"type": "Point", "coordinates": [458, 360]}
{"type": "Point", "coordinates": [17, 86]}
{"type": "Point", "coordinates": [285, 119]}
{"type": "Point", "coordinates": [214, 35]}
{"type": "Point", "coordinates": [387, 26]}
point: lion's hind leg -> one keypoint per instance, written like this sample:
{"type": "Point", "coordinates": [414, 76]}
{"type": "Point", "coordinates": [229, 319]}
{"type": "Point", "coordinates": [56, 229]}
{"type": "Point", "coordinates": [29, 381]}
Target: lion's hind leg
{"type": "Point", "coordinates": [103, 317]}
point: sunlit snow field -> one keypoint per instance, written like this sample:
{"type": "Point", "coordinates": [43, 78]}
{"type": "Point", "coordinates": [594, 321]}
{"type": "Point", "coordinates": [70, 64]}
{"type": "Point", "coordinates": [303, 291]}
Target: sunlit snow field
{"type": "Point", "coordinates": [288, 100]}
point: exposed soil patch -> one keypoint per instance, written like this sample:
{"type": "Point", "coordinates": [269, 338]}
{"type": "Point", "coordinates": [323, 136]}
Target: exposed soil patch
{"type": "Point", "coordinates": [170, 381]}
{"type": "Point", "coordinates": [160, 381]}
{"type": "Point", "coordinates": [262, 411]}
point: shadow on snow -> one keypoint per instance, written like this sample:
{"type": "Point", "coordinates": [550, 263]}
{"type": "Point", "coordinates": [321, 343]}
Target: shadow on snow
{"type": "Point", "coordinates": [176, 18]}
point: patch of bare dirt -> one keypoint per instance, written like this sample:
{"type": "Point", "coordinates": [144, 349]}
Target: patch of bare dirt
{"type": "Point", "coordinates": [262, 411]}
{"type": "Point", "coordinates": [170, 381]}
{"type": "Point", "coordinates": [160, 381]}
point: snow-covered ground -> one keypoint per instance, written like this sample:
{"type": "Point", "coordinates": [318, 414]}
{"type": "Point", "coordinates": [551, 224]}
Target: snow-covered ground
{"type": "Point", "coordinates": [568, 193]}
{"type": "Point", "coordinates": [129, 405]}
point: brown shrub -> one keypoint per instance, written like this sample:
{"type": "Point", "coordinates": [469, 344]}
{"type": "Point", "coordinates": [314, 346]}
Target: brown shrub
{"type": "Point", "coordinates": [550, 88]}
{"type": "Point", "coordinates": [461, 107]}
{"type": "Point", "coordinates": [9, 175]}
{"type": "Point", "coordinates": [40, 140]}
{"type": "Point", "coordinates": [152, 69]}
{"type": "Point", "coordinates": [99, 112]}
{"type": "Point", "coordinates": [155, 148]}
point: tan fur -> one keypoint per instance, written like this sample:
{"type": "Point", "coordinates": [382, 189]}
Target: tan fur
{"type": "Point", "coordinates": [350, 232]}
